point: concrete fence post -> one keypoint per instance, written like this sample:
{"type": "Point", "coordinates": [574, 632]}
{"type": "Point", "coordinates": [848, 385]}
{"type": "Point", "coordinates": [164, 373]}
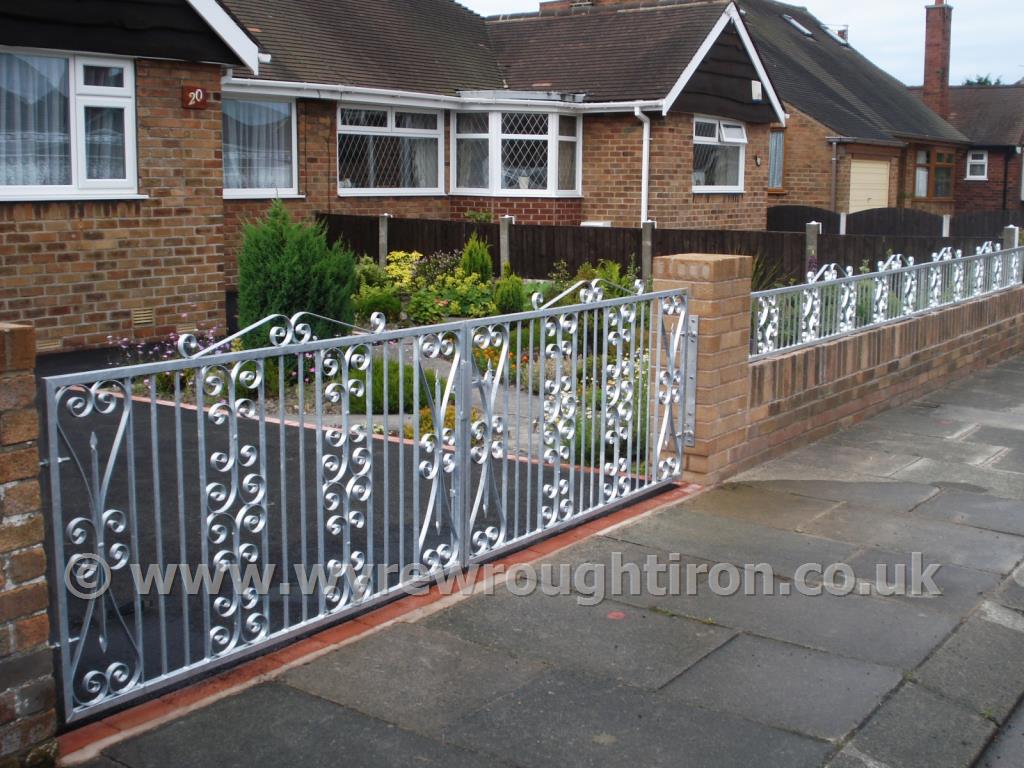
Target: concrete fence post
{"type": "Point", "coordinates": [27, 687]}
{"type": "Point", "coordinates": [505, 241]}
{"type": "Point", "coordinates": [947, 224]}
{"type": "Point", "coordinates": [842, 223]}
{"type": "Point", "coordinates": [1011, 237]}
{"type": "Point", "coordinates": [813, 231]}
{"type": "Point", "coordinates": [647, 250]}
{"type": "Point", "coordinates": [382, 239]}
{"type": "Point", "coordinates": [719, 293]}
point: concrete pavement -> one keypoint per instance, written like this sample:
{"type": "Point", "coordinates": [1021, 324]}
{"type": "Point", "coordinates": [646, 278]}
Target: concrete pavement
{"type": "Point", "coordinates": [662, 677]}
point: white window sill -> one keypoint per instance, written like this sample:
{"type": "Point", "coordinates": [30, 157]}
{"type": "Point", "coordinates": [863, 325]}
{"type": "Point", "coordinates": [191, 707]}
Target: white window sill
{"type": "Point", "coordinates": [348, 192]}
{"type": "Point", "coordinates": [71, 197]}
{"type": "Point", "coordinates": [717, 191]}
{"type": "Point", "coordinates": [976, 178]}
{"type": "Point", "coordinates": [257, 195]}
{"type": "Point", "coordinates": [523, 193]}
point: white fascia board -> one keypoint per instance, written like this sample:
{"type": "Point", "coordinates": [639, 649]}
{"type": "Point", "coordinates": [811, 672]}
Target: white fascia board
{"type": "Point", "coordinates": [381, 96]}
{"type": "Point", "coordinates": [729, 16]}
{"type": "Point", "coordinates": [227, 29]}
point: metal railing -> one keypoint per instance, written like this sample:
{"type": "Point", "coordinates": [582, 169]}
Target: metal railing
{"type": "Point", "coordinates": [385, 457]}
{"type": "Point", "coordinates": [835, 302]}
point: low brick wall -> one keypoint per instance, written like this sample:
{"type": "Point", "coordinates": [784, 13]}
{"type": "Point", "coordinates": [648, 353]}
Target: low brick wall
{"type": "Point", "coordinates": [800, 396]}
{"type": "Point", "coordinates": [749, 412]}
{"type": "Point", "coordinates": [27, 718]}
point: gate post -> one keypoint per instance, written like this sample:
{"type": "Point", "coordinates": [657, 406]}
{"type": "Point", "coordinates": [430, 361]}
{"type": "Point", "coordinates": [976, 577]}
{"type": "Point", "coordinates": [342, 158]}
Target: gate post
{"type": "Point", "coordinates": [27, 689]}
{"type": "Point", "coordinates": [718, 289]}
{"type": "Point", "coordinates": [1011, 237]}
{"type": "Point", "coordinates": [382, 239]}
{"type": "Point", "coordinates": [505, 242]}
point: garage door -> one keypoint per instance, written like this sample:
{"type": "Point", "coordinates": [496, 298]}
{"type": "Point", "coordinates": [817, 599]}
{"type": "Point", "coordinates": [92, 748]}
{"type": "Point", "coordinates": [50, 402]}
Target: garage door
{"type": "Point", "coordinates": [869, 185]}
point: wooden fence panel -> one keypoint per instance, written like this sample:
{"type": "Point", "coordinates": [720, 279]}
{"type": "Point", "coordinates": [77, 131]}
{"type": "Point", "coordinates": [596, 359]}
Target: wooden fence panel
{"type": "Point", "coordinates": [781, 252]}
{"type": "Point", "coordinates": [894, 221]}
{"type": "Point", "coordinates": [795, 218]}
{"type": "Point", "coordinates": [534, 248]}
{"type": "Point", "coordinates": [358, 232]}
{"type": "Point", "coordinates": [986, 223]}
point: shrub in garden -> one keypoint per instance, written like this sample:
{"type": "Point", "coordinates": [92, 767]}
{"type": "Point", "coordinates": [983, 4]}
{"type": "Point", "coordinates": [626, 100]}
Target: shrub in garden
{"type": "Point", "coordinates": [455, 295]}
{"type": "Point", "coordinates": [400, 269]}
{"type": "Point", "coordinates": [286, 266]}
{"type": "Point", "coordinates": [476, 258]}
{"type": "Point", "coordinates": [509, 293]}
{"type": "Point", "coordinates": [369, 273]}
{"type": "Point", "coordinates": [432, 268]}
{"type": "Point", "coordinates": [407, 373]}
{"type": "Point", "coordinates": [383, 299]}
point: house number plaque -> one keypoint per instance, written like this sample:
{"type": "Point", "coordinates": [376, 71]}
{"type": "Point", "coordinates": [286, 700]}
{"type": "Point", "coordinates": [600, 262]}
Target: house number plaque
{"type": "Point", "coordinates": [194, 97]}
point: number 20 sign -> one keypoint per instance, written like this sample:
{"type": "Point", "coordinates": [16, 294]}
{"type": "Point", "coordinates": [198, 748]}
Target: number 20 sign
{"type": "Point", "coordinates": [194, 97]}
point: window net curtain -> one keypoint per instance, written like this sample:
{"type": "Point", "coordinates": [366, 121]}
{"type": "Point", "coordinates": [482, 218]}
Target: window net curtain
{"type": "Point", "coordinates": [257, 145]}
{"type": "Point", "coordinates": [35, 135]}
{"type": "Point", "coordinates": [776, 147]}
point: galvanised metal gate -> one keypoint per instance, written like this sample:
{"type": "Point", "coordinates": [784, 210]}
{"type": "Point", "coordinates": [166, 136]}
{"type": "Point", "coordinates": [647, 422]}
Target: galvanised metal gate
{"type": "Point", "coordinates": [382, 457]}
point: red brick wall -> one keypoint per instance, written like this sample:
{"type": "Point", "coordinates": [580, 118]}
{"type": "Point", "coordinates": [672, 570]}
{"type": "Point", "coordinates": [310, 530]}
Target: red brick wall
{"type": "Point", "coordinates": [567, 211]}
{"type": "Point", "coordinates": [75, 270]}
{"type": "Point", "coordinates": [27, 691]}
{"type": "Point", "coordinates": [612, 176]}
{"type": "Point", "coordinates": [988, 195]}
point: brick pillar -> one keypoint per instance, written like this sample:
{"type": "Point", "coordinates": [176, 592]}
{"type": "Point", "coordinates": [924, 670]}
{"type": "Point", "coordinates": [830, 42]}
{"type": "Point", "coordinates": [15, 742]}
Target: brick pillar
{"type": "Point", "coordinates": [719, 291]}
{"type": "Point", "coordinates": [27, 691]}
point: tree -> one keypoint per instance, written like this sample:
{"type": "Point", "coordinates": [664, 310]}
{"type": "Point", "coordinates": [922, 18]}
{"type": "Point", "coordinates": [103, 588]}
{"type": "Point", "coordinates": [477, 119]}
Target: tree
{"type": "Point", "coordinates": [983, 80]}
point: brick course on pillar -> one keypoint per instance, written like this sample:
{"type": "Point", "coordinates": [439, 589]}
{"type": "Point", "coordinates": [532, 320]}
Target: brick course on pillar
{"type": "Point", "coordinates": [719, 291]}
{"type": "Point", "coordinates": [27, 691]}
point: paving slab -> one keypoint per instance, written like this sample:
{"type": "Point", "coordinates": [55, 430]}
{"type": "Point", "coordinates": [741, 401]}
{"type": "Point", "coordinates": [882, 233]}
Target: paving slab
{"type": "Point", "coordinates": [919, 729]}
{"type": "Point", "coordinates": [810, 692]}
{"type": "Point", "coordinates": [880, 496]}
{"type": "Point", "coordinates": [938, 541]}
{"type": "Point", "coordinates": [734, 541]}
{"type": "Point", "coordinates": [1007, 748]}
{"type": "Point", "coordinates": [976, 509]}
{"type": "Point", "coordinates": [917, 420]}
{"type": "Point", "coordinates": [886, 632]}
{"type": "Point", "coordinates": [1001, 436]}
{"type": "Point", "coordinates": [1011, 461]}
{"type": "Point", "coordinates": [415, 677]}
{"type": "Point", "coordinates": [754, 503]}
{"type": "Point", "coordinates": [567, 720]}
{"type": "Point", "coordinates": [946, 474]}
{"type": "Point", "coordinates": [613, 640]}
{"type": "Point", "coordinates": [1011, 592]}
{"type": "Point", "coordinates": [855, 459]}
{"type": "Point", "coordinates": [960, 588]}
{"type": "Point", "coordinates": [275, 725]}
{"type": "Point", "coordinates": [878, 438]}
{"type": "Point", "coordinates": [981, 665]}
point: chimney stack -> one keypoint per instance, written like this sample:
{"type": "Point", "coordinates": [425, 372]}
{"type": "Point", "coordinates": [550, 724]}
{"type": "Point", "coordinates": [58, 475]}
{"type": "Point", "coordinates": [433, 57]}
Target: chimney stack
{"type": "Point", "coordinates": [938, 33]}
{"type": "Point", "coordinates": [844, 33]}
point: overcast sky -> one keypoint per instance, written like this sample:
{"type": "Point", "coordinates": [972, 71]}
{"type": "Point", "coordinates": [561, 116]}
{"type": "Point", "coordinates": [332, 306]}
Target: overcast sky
{"type": "Point", "coordinates": [988, 35]}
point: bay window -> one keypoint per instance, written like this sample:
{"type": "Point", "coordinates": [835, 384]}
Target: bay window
{"type": "Point", "coordinates": [719, 149]}
{"type": "Point", "coordinates": [977, 165]}
{"type": "Point", "coordinates": [259, 148]}
{"type": "Point", "coordinates": [389, 151]}
{"type": "Point", "coordinates": [516, 154]}
{"type": "Point", "coordinates": [933, 173]}
{"type": "Point", "coordinates": [67, 126]}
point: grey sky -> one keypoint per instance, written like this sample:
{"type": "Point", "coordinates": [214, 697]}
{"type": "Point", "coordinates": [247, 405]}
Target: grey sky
{"type": "Point", "coordinates": [988, 35]}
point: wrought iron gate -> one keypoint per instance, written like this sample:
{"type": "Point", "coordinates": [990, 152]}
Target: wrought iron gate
{"type": "Point", "coordinates": [338, 471]}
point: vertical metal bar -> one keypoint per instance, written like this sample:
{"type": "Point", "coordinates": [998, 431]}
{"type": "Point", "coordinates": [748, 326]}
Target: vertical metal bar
{"type": "Point", "coordinates": [417, 553]}
{"type": "Point", "coordinates": [529, 444]}
{"type": "Point", "coordinates": [303, 510]}
{"type": "Point", "coordinates": [133, 515]}
{"type": "Point", "coordinates": [401, 449]}
{"type": "Point", "coordinates": [371, 559]}
{"type": "Point", "coordinates": [261, 369]}
{"type": "Point", "coordinates": [158, 527]}
{"type": "Point", "coordinates": [204, 517]}
{"type": "Point", "coordinates": [56, 503]}
{"type": "Point", "coordinates": [462, 506]}
{"type": "Point", "coordinates": [385, 408]}
{"type": "Point", "coordinates": [319, 474]}
{"type": "Point", "coordinates": [182, 532]}
{"type": "Point", "coordinates": [519, 422]}
{"type": "Point", "coordinates": [283, 473]}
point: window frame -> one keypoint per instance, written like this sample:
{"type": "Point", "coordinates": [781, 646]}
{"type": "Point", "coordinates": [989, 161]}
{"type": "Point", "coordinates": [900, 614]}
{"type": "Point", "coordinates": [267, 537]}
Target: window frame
{"type": "Point", "coordinates": [720, 141]}
{"type": "Point", "coordinates": [932, 165]}
{"type": "Point", "coordinates": [782, 171]}
{"type": "Point", "coordinates": [495, 138]}
{"type": "Point", "coordinates": [983, 161]}
{"type": "Point", "coordinates": [256, 193]}
{"type": "Point", "coordinates": [390, 130]}
{"type": "Point", "coordinates": [81, 96]}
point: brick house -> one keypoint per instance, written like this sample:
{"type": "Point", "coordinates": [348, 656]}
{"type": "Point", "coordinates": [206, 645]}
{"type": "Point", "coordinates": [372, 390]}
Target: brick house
{"type": "Point", "coordinates": [988, 174]}
{"type": "Point", "coordinates": [856, 137]}
{"type": "Point", "coordinates": [601, 111]}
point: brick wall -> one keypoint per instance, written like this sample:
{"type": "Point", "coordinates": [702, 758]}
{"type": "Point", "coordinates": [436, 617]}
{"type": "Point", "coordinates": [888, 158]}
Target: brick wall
{"type": "Point", "coordinates": [989, 195]}
{"type": "Point", "coordinates": [27, 694]}
{"type": "Point", "coordinates": [75, 270]}
{"type": "Point", "coordinates": [748, 412]}
{"type": "Point", "coordinates": [612, 176]}
{"type": "Point", "coordinates": [562, 211]}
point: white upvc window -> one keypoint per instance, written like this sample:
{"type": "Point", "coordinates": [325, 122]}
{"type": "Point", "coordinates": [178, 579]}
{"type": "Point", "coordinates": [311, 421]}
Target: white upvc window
{"type": "Point", "coordinates": [977, 165]}
{"type": "Point", "coordinates": [260, 147]}
{"type": "Point", "coordinates": [67, 126]}
{"type": "Point", "coordinates": [516, 154]}
{"type": "Point", "coordinates": [385, 151]}
{"type": "Point", "coordinates": [719, 151]}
